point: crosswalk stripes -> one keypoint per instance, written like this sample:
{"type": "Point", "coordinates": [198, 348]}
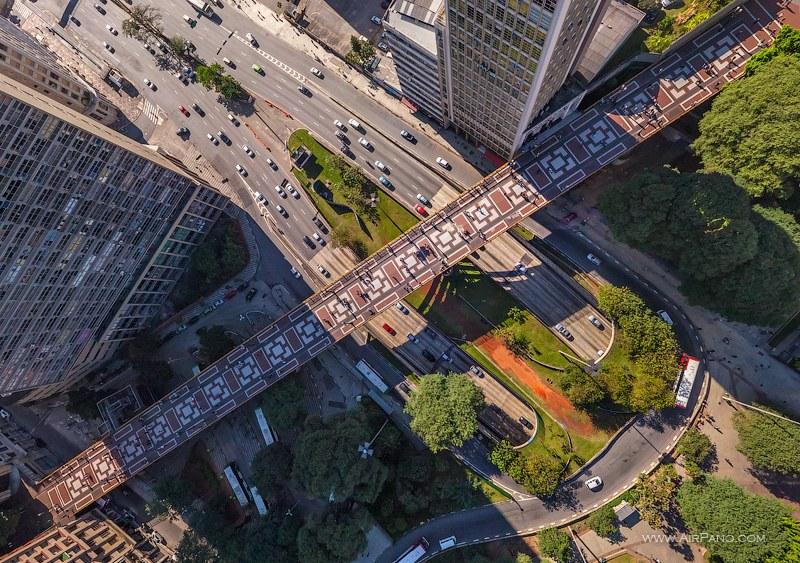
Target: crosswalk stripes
{"type": "Point", "coordinates": [151, 111]}
{"type": "Point", "coordinates": [23, 11]}
{"type": "Point", "coordinates": [281, 65]}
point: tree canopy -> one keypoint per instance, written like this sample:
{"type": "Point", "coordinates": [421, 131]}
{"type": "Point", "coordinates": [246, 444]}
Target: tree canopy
{"type": "Point", "coordinates": [603, 521]}
{"type": "Point", "coordinates": [654, 495]}
{"type": "Point", "coordinates": [213, 77]}
{"type": "Point", "coordinates": [9, 519]}
{"type": "Point", "coordinates": [719, 508]}
{"type": "Point", "coordinates": [144, 21]}
{"type": "Point", "coordinates": [444, 410]}
{"type": "Point", "coordinates": [581, 389]}
{"type": "Point", "coordinates": [751, 130]}
{"type": "Point", "coordinates": [193, 548]}
{"type": "Point", "coordinates": [272, 469]}
{"type": "Point", "coordinates": [361, 51]}
{"type": "Point", "coordinates": [284, 403]}
{"type": "Point", "coordinates": [555, 544]}
{"type": "Point", "coordinates": [336, 536]}
{"type": "Point", "coordinates": [538, 473]}
{"type": "Point", "coordinates": [172, 495]}
{"type": "Point", "coordinates": [695, 447]}
{"type": "Point", "coordinates": [769, 443]}
{"type": "Point", "coordinates": [214, 343]}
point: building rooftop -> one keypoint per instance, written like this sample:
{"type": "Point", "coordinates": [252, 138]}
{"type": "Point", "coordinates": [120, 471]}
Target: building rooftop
{"type": "Point", "coordinates": [619, 21]}
{"type": "Point", "coordinates": [414, 19]}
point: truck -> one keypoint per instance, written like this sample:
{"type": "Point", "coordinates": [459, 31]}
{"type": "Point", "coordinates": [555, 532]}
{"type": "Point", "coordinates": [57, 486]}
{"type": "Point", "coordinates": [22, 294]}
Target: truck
{"type": "Point", "coordinates": [203, 8]}
{"type": "Point", "coordinates": [414, 553]}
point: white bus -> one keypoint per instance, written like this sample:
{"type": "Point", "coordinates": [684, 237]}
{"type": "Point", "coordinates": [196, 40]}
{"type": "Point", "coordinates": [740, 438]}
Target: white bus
{"type": "Point", "coordinates": [686, 381]}
{"type": "Point", "coordinates": [372, 376]}
{"type": "Point", "coordinates": [414, 552]}
{"type": "Point", "coordinates": [202, 7]}
{"type": "Point", "coordinates": [236, 485]}
{"type": "Point", "coordinates": [266, 431]}
{"type": "Point", "coordinates": [258, 500]}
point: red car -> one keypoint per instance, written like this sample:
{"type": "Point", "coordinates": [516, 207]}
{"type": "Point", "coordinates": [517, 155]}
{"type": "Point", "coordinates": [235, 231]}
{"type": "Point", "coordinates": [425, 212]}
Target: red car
{"type": "Point", "coordinates": [389, 329]}
{"type": "Point", "coordinates": [184, 111]}
{"type": "Point", "coordinates": [421, 210]}
{"type": "Point", "coordinates": [569, 218]}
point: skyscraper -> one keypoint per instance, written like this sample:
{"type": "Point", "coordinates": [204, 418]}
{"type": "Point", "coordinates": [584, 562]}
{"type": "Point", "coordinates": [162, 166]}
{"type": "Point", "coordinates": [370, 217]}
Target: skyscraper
{"type": "Point", "coordinates": [503, 60]}
{"type": "Point", "coordinates": [95, 229]}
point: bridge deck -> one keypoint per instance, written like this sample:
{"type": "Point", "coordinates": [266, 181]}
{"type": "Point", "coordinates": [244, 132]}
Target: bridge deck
{"type": "Point", "coordinates": [639, 109]}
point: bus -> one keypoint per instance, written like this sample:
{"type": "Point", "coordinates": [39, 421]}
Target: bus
{"type": "Point", "coordinates": [414, 553]}
{"type": "Point", "coordinates": [258, 500]}
{"type": "Point", "coordinates": [266, 431]}
{"type": "Point", "coordinates": [202, 7]}
{"type": "Point", "coordinates": [686, 380]}
{"type": "Point", "coordinates": [372, 376]}
{"type": "Point", "coordinates": [236, 485]}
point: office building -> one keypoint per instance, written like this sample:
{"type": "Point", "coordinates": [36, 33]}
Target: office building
{"type": "Point", "coordinates": [95, 230]}
{"type": "Point", "coordinates": [411, 35]}
{"type": "Point", "coordinates": [503, 60]}
{"type": "Point", "coordinates": [28, 62]}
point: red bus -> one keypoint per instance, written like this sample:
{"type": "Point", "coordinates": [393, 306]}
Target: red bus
{"type": "Point", "coordinates": [686, 380]}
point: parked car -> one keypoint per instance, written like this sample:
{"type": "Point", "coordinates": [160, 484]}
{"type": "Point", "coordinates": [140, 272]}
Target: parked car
{"type": "Point", "coordinates": [421, 210]}
{"type": "Point", "coordinates": [423, 200]}
{"type": "Point", "coordinates": [317, 72]}
{"type": "Point", "coordinates": [525, 422]}
{"type": "Point", "coordinates": [443, 163]}
{"type": "Point", "coordinates": [382, 46]}
{"type": "Point", "coordinates": [593, 259]}
{"type": "Point", "coordinates": [388, 328]}
{"type": "Point", "coordinates": [376, 20]}
{"type": "Point", "coordinates": [294, 272]}
{"type": "Point", "coordinates": [402, 308]}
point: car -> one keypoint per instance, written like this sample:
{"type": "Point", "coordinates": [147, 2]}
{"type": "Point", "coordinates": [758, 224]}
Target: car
{"type": "Point", "coordinates": [323, 271]}
{"type": "Point", "coordinates": [364, 143]}
{"type": "Point", "coordinates": [259, 197]}
{"type": "Point", "coordinates": [666, 4]}
{"type": "Point", "coordinates": [593, 259]}
{"type": "Point", "coordinates": [423, 200]}
{"type": "Point", "coordinates": [100, 9]}
{"type": "Point", "coordinates": [281, 210]}
{"type": "Point", "coordinates": [525, 422]}
{"type": "Point", "coordinates": [257, 69]}
{"type": "Point", "coordinates": [228, 62]}
{"type": "Point", "coordinates": [376, 20]}
{"type": "Point", "coordinates": [595, 483]}
{"type": "Point", "coordinates": [318, 222]}
{"type": "Point", "coordinates": [212, 138]}
{"type": "Point", "coordinates": [665, 317]}
{"type": "Point", "coordinates": [272, 164]}
{"type": "Point", "coordinates": [223, 137]}
{"type": "Point", "coordinates": [381, 166]}
{"type": "Point", "coordinates": [521, 268]}
{"type": "Point", "coordinates": [280, 191]}
{"type": "Point", "coordinates": [111, 29]}
{"type": "Point", "coordinates": [408, 136]}
{"type": "Point", "coordinates": [233, 120]}
{"type": "Point", "coordinates": [218, 302]}
{"type": "Point", "coordinates": [447, 543]}
{"type": "Point", "coordinates": [240, 169]}
{"type": "Point", "coordinates": [385, 181]}
{"type": "Point", "coordinates": [303, 90]}
{"type": "Point", "coordinates": [193, 320]}
{"type": "Point", "coordinates": [5, 414]}
{"type": "Point", "coordinates": [476, 371]}
{"type": "Point", "coordinates": [291, 190]}
{"type": "Point", "coordinates": [318, 238]}
{"type": "Point", "coordinates": [354, 124]}
{"type": "Point", "coordinates": [199, 110]}
{"type": "Point", "coordinates": [182, 131]}
{"type": "Point", "coordinates": [309, 242]}
{"type": "Point", "coordinates": [180, 328]}
{"type": "Point", "coordinates": [340, 135]}
{"type": "Point", "coordinates": [569, 218]}
{"type": "Point", "coordinates": [443, 163]}
{"type": "Point", "coordinates": [149, 84]}
{"type": "Point", "coordinates": [402, 308]}
{"type": "Point", "coordinates": [294, 272]}
{"type": "Point", "coordinates": [181, 78]}
{"type": "Point", "coordinates": [412, 338]}
{"type": "Point", "coordinates": [421, 210]}
{"type": "Point", "coordinates": [208, 310]}
{"type": "Point", "coordinates": [382, 46]}
{"type": "Point", "coordinates": [184, 111]}
{"type": "Point", "coordinates": [595, 321]}
{"type": "Point", "coordinates": [75, 20]}
{"type": "Point", "coordinates": [249, 37]}
{"type": "Point", "coordinates": [388, 328]}
{"type": "Point", "coordinates": [317, 72]}
{"type": "Point", "coordinates": [428, 356]}
{"type": "Point", "coordinates": [346, 150]}
{"type": "Point", "coordinates": [248, 151]}
{"type": "Point", "coordinates": [339, 124]}
{"type": "Point", "coordinates": [191, 21]}
{"type": "Point", "coordinates": [445, 357]}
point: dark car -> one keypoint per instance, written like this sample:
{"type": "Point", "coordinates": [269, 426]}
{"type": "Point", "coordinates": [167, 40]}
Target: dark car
{"type": "Point", "coordinates": [428, 356]}
{"type": "Point", "coordinates": [100, 9]}
{"type": "Point", "coordinates": [242, 286]}
{"type": "Point", "coordinates": [303, 90]}
{"type": "Point", "coordinates": [318, 222]}
{"type": "Point", "coordinates": [250, 294]}
{"type": "Point", "coordinates": [526, 423]}
{"type": "Point", "coordinates": [193, 319]}
{"type": "Point", "coordinates": [182, 131]}
{"type": "Point", "coordinates": [168, 336]}
{"type": "Point", "coordinates": [309, 242]}
{"type": "Point", "coordinates": [223, 137]}
{"type": "Point", "coordinates": [199, 110]}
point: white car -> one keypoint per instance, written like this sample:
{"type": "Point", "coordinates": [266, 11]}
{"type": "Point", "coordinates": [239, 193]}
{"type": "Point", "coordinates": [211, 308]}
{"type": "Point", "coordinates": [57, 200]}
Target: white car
{"type": "Point", "coordinates": [294, 272]}
{"type": "Point", "coordinates": [422, 199]}
{"type": "Point", "coordinates": [240, 169]}
{"type": "Point", "coordinates": [249, 37]}
{"type": "Point", "coordinates": [594, 484]}
{"type": "Point", "coordinates": [108, 47]}
{"type": "Point", "coordinates": [380, 166]}
{"type": "Point", "coordinates": [212, 138]}
{"type": "Point", "coordinates": [272, 164]}
{"type": "Point", "coordinates": [233, 119]}
{"type": "Point", "coordinates": [354, 123]}
{"type": "Point", "coordinates": [402, 308]}
{"type": "Point", "coordinates": [316, 72]}
{"type": "Point", "coordinates": [521, 268]}
{"type": "Point", "coordinates": [593, 259]}
{"type": "Point", "coordinates": [248, 151]}
{"type": "Point", "coordinates": [111, 29]}
{"type": "Point", "coordinates": [323, 271]}
{"type": "Point", "coordinates": [280, 191]}
{"type": "Point", "coordinates": [318, 238]}
{"type": "Point", "coordinates": [364, 143]}
{"type": "Point", "coordinates": [259, 197]}
{"type": "Point", "coordinates": [443, 163]}
{"type": "Point", "coordinates": [291, 190]}
{"type": "Point", "coordinates": [149, 84]}
{"type": "Point", "coordinates": [5, 414]}
{"type": "Point", "coordinates": [595, 321]}
{"type": "Point", "coordinates": [339, 124]}
{"type": "Point", "coordinates": [281, 210]}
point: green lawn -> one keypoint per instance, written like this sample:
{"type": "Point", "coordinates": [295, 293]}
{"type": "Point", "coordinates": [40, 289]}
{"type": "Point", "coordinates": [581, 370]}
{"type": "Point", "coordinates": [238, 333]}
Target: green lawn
{"type": "Point", "coordinates": [392, 218]}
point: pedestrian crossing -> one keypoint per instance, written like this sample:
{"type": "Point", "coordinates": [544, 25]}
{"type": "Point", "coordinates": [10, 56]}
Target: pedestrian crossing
{"type": "Point", "coordinates": [151, 110]}
{"type": "Point", "coordinates": [281, 65]}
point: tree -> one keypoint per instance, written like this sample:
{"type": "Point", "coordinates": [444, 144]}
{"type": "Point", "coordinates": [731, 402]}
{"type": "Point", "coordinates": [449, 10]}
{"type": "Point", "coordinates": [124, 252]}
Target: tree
{"type": "Point", "coordinates": [444, 410]}
{"type": "Point", "coordinates": [787, 42]}
{"type": "Point", "coordinates": [523, 558]}
{"type": "Point", "coordinates": [143, 21]}
{"type": "Point", "coordinates": [654, 495]}
{"type": "Point", "coordinates": [503, 455]}
{"type": "Point", "coordinates": [9, 519]}
{"type": "Point", "coordinates": [543, 474]}
{"type": "Point", "coordinates": [178, 45]}
{"type": "Point", "coordinates": [328, 464]}
{"type": "Point", "coordinates": [603, 521]}
{"type": "Point", "coordinates": [649, 392]}
{"type": "Point", "coordinates": [346, 238]}
{"type": "Point", "coordinates": [361, 51]}
{"type": "Point", "coordinates": [717, 508]}
{"type": "Point", "coordinates": [619, 302]}
{"type": "Point", "coordinates": [284, 404]}
{"type": "Point", "coordinates": [213, 77]}
{"type": "Point", "coordinates": [83, 402]}
{"type": "Point", "coordinates": [214, 343]}
{"type": "Point", "coordinates": [769, 443]}
{"type": "Point", "coordinates": [271, 469]}
{"type": "Point", "coordinates": [517, 315]}
{"type": "Point", "coordinates": [337, 536]}
{"type": "Point", "coordinates": [555, 544]}
{"type": "Point", "coordinates": [581, 389]}
{"type": "Point", "coordinates": [194, 549]}
{"type": "Point", "coordinates": [519, 343]}
{"type": "Point", "coordinates": [172, 495]}
{"type": "Point", "coordinates": [695, 447]}
{"type": "Point", "coordinates": [751, 133]}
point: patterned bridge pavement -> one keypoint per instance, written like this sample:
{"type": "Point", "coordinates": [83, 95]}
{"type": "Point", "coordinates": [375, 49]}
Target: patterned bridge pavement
{"type": "Point", "coordinates": [639, 109]}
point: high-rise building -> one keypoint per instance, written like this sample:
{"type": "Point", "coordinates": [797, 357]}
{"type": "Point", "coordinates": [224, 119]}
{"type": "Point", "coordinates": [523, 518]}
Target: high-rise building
{"type": "Point", "coordinates": [95, 230]}
{"type": "Point", "coordinates": [411, 35]}
{"type": "Point", "coordinates": [503, 60]}
{"type": "Point", "coordinates": [28, 62]}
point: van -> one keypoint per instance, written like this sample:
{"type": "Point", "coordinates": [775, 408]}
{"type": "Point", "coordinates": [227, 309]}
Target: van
{"type": "Point", "coordinates": [354, 124]}
{"type": "Point", "coordinates": [664, 316]}
{"type": "Point", "coordinates": [447, 543]}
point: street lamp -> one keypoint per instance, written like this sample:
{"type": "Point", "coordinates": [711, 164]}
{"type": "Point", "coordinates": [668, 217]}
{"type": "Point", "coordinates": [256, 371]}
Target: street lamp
{"type": "Point", "coordinates": [366, 449]}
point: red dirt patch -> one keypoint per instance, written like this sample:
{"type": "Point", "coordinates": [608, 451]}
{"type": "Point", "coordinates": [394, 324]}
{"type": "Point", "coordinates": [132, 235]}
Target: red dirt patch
{"type": "Point", "coordinates": [557, 404]}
